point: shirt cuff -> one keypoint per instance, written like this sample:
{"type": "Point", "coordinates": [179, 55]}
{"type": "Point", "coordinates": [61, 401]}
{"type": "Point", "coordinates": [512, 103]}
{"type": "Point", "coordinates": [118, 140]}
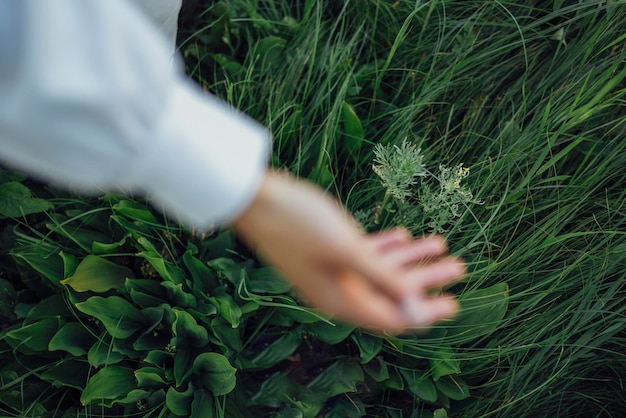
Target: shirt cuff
{"type": "Point", "coordinates": [206, 162]}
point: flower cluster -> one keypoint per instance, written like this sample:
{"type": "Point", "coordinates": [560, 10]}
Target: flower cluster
{"type": "Point", "coordinates": [398, 168]}
{"type": "Point", "coordinates": [443, 206]}
{"type": "Point", "coordinates": [436, 200]}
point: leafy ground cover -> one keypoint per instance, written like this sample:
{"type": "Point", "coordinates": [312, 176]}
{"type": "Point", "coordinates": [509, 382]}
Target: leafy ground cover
{"type": "Point", "coordinates": [500, 124]}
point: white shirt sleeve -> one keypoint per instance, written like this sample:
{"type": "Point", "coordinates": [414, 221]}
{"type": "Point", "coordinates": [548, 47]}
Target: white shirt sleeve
{"type": "Point", "coordinates": [90, 98]}
{"type": "Point", "coordinates": [164, 13]}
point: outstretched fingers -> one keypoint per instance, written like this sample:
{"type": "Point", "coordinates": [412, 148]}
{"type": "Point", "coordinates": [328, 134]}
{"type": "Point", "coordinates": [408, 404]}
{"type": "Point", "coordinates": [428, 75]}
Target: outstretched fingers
{"type": "Point", "coordinates": [349, 297]}
{"type": "Point", "coordinates": [359, 302]}
{"type": "Point", "coordinates": [405, 273]}
{"type": "Point", "coordinates": [389, 239]}
{"type": "Point", "coordinates": [364, 305]}
{"type": "Point", "coordinates": [419, 251]}
{"type": "Point", "coordinates": [400, 266]}
{"type": "Point", "coordinates": [424, 309]}
{"type": "Point", "coordinates": [423, 312]}
{"type": "Point", "coordinates": [438, 274]}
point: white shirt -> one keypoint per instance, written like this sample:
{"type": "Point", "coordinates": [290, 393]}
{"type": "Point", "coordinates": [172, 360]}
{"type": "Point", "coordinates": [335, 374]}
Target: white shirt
{"type": "Point", "coordinates": [90, 98]}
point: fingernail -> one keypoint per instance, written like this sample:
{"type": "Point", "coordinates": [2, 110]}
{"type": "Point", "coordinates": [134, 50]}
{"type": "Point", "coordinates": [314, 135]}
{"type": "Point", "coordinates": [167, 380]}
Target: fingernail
{"type": "Point", "coordinates": [414, 312]}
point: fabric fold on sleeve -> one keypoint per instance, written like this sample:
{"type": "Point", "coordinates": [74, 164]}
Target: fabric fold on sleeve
{"type": "Point", "coordinates": [206, 161]}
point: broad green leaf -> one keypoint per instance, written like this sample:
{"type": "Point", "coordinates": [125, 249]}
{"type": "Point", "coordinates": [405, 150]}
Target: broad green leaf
{"type": "Point", "coordinates": [149, 286]}
{"type": "Point", "coordinates": [136, 211]}
{"type": "Point", "coordinates": [215, 372]}
{"type": "Point", "coordinates": [206, 308]}
{"type": "Point", "coordinates": [182, 365]}
{"type": "Point", "coordinates": [16, 200]}
{"type": "Point", "coordinates": [119, 317]}
{"type": "Point", "coordinates": [165, 269]}
{"type": "Point", "coordinates": [344, 408]}
{"type": "Point", "coordinates": [54, 306]}
{"type": "Point", "coordinates": [420, 384]}
{"type": "Point", "coordinates": [134, 396]}
{"type": "Point", "coordinates": [125, 347]}
{"type": "Point", "coordinates": [145, 300]}
{"type": "Point", "coordinates": [70, 263]}
{"type": "Point", "coordinates": [98, 275]}
{"type": "Point", "coordinates": [274, 390]}
{"type": "Point", "coordinates": [341, 377]}
{"type": "Point", "coordinates": [440, 413]}
{"type": "Point", "coordinates": [35, 336]}
{"type": "Point", "coordinates": [20, 309]}
{"type": "Point", "coordinates": [153, 317]}
{"type": "Point", "coordinates": [98, 248]}
{"type": "Point", "coordinates": [377, 369]}
{"type": "Point", "coordinates": [322, 176]}
{"type": "Point", "coordinates": [178, 297]}
{"type": "Point", "coordinates": [330, 334]}
{"type": "Point", "coordinates": [146, 292]}
{"type": "Point", "coordinates": [395, 381]}
{"type": "Point", "coordinates": [222, 245]}
{"type": "Point", "coordinates": [11, 176]}
{"type": "Point", "coordinates": [43, 258]}
{"type": "Point", "coordinates": [481, 311]}
{"type": "Point", "coordinates": [353, 132]}
{"type": "Point", "coordinates": [229, 337]}
{"type": "Point", "coordinates": [227, 268]}
{"type": "Point", "coordinates": [369, 345]}
{"type": "Point", "coordinates": [444, 362]}
{"type": "Point", "coordinates": [151, 378]}
{"type": "Point", "coordinates": [230, 67]}
{"type": "Point", "coordinates": [278, 351]}
{"type": "Point", "coordinates": [425, 389]}
{"type": "Point", "coordinates": [227, 309]}
{"type": "Point", "coordinates": [159, 358]}
{"type": "Point", "coordinates": [101, 354]}
{"type": "Point", "coordinates": [112, 382]}
{"type": "Point", "coordinates": [155, 335]}
{"type": "Point", "coordinates": [453, 387]}
{"type": "Point", "coordinates": [180, 402]}
{"type": "Point", "coordinates": [309, 402]}
{"type": "Point", "coordinates": [97, 219]}
{"type": "Point", "coordinates": [187, 331]}
{"type": "Point", "coordinates": [134, 229]}
{"type": "Point", "coordinates": [80, 235]}
{"type": "Point", "coordinates": [202, 276]}
{"type": "Point", "coordinates": [157, 398]}
{"type": "Point", "coordinates": [203, 405]}
{"type": "Point", "coordinates": [70, 372]}
{"type": "Point", "coordinates": [266, 280]}
{"type": "Point", "coordinates": [73, 337]}
{"type": "Point", "coordinates": [268, 51]}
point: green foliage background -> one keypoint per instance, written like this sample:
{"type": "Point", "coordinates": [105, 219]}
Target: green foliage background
{"type": "Point", "coordinates": [109, 309]}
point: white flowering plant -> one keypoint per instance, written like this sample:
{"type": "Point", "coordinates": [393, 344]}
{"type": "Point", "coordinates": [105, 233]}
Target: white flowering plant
{"type": "Point", "coordinates": [416, 198]}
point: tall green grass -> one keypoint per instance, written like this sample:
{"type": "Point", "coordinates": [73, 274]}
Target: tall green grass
{"type": "Point", "coordinates": [530, 96]}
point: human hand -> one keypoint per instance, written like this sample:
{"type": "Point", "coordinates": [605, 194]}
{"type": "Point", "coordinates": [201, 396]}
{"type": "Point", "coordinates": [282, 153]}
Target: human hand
{"type": "Point", "coordinates": [381, 282]}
